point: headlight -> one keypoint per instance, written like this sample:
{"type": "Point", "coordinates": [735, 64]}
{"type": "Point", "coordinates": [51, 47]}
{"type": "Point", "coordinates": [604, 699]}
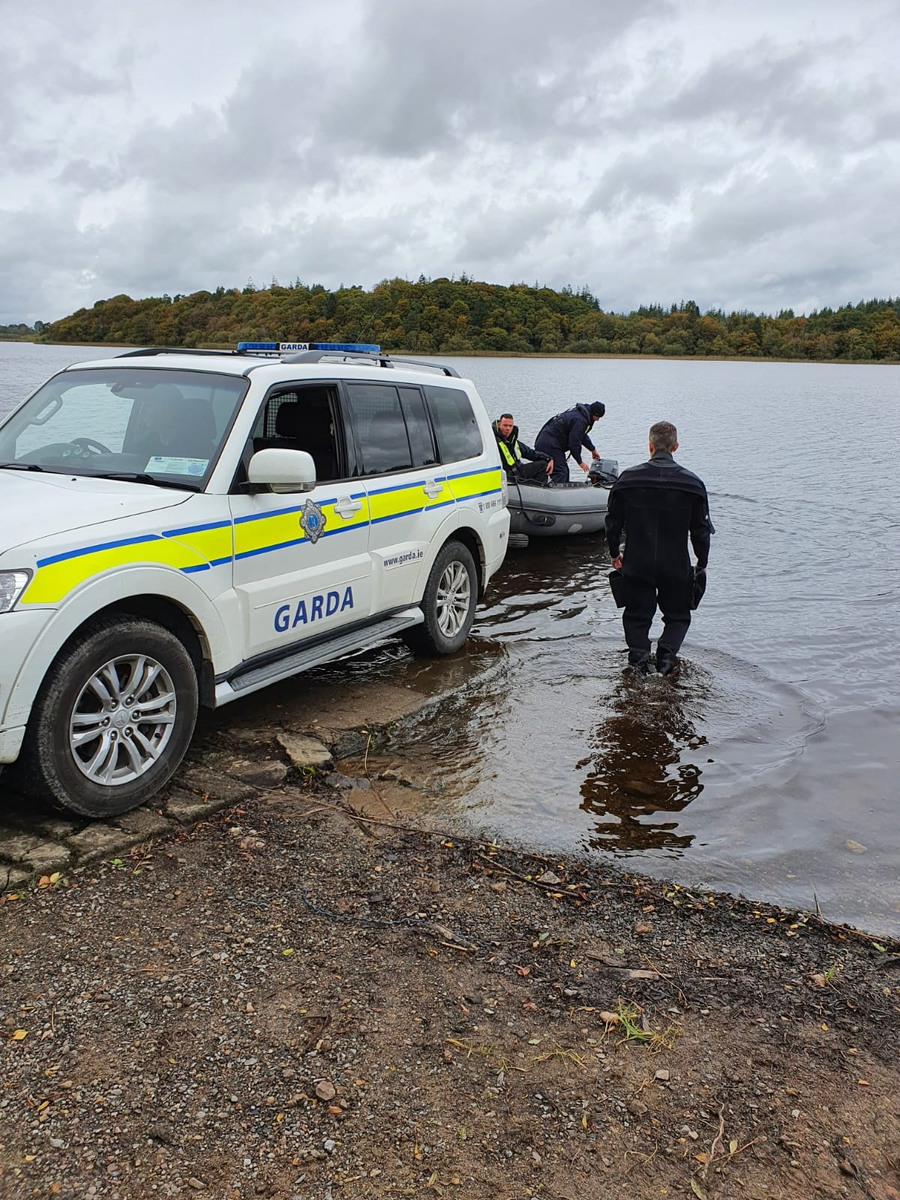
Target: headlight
{"type": "Point", "coordinates": [12, 585]}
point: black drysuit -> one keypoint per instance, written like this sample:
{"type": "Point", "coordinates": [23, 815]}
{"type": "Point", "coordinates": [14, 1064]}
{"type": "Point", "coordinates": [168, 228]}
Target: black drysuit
{"type": "Point", "coordinates": [565, 434]}
{"type": "Point", "coordinates": [657, 505]}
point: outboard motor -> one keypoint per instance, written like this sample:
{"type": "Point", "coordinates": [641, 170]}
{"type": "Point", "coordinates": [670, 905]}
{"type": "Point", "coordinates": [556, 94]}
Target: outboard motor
{"type": "Point", "coordinates": [604, 472]}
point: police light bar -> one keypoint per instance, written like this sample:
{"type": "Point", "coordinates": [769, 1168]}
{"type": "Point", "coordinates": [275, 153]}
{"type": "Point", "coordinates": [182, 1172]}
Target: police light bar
{"type": "Point", "coordinates": [300, 347]}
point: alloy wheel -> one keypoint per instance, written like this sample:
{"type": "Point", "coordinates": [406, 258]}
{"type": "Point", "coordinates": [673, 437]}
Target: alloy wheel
{"type": "Point", "coordinates": [122, 720]}
{"type": "Point", "coordinates": [454, 598]}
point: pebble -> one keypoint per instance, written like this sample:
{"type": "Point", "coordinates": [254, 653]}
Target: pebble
{"type": "Point", "coordinates": [325, 1090]}
{"type": "Point", "coordinates": [662, 1076]}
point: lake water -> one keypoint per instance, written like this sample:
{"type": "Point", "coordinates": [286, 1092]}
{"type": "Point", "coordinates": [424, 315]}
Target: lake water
{"type": "Point", "coordinates": [770, 765]}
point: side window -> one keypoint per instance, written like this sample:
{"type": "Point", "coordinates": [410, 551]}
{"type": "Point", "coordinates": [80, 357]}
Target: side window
{"type": "Point", "coordinates": [303, 418]}
{"type": "Point", "coordinates": [380, 428]}
{"type": "Point", "coordinates": [458, 435]}
{"type": "Point", "coordinates": [418, 427]}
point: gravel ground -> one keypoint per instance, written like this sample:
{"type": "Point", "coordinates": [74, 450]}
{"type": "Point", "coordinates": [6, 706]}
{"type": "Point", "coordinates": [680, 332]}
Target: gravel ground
{"type": "Point", "coordinates": [291, 1000]}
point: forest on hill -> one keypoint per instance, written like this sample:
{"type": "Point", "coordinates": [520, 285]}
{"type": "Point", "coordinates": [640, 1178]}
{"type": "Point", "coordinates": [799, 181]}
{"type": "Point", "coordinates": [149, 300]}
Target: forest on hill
{"type": "Point", "coordinates": [461, 316]}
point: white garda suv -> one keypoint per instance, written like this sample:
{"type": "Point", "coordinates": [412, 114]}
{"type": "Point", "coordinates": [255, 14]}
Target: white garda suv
{"type": "Point", "coordinates": [181, 528]}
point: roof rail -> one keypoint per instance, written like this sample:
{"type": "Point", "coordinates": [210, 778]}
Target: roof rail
{"type": "Point", "coordinates": [150, 351]}
{"type": "Point", "coordinates": [383, 360]}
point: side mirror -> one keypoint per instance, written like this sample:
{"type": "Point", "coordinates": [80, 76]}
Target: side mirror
{"type": "Point", "coordinates": [283, 470]}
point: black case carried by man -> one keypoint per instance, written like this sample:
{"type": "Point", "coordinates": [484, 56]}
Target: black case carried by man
{"type": "Point", "coordinates": [618, 585]}
{"type": "Point", "coordinates": [698, 587]}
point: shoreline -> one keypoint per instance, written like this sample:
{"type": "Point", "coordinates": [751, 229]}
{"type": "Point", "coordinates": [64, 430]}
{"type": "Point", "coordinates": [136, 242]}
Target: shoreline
{"type": "Point", "coordinates": [737, 358]}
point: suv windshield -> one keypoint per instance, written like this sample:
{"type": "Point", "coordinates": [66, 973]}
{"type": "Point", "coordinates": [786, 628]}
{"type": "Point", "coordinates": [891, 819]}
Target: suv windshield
{"type": "Point", "coordinates": [161, 426]}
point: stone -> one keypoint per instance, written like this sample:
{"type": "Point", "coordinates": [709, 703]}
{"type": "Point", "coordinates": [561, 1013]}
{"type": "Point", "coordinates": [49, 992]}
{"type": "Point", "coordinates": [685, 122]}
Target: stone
{"type": "Point", "coordinates": [325, 1090]}
{"type": "Point", "coordinates": [267, 774]}
{"type": "Point", "coordinates": [163, 1132]}
{"type": "Point", "coordinates": [15, 845]}
{"type": "Point", "coordinates": [46, 857]}
{"type": "Point", "coordinates": [346, 743]}
{"type": "Point", "coordinates": [100, 840]}
{"type": "Point", "coordinates": [304, 751]}
{"type": "Point", "coordinates": [662, 1076]}
{"type": "Point", "coordinates": [58, 828]}
{"type": "Point", "coordinates": [212, 787]}
{"type": "Point", "coordinates": [186, 807]}
{"type": "Point", "coordinates": [12, 877]}
{"type": "Point", "coordinates": [143, 821]}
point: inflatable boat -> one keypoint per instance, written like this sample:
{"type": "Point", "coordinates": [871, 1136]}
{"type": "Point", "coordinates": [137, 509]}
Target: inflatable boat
{"type": "Point", "coordinates": [562, 509]}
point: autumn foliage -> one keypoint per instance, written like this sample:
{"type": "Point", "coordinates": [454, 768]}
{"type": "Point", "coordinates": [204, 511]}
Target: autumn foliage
{"type": "Point", "coordinates": [460, 316]}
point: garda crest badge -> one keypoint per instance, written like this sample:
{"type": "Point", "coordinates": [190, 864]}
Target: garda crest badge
{"type": "Point", "coordinates": [312, 521]}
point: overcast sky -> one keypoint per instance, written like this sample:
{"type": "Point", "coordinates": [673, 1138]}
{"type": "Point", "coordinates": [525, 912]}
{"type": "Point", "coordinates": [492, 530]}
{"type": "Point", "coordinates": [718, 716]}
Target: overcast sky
{"type": "Point", "coordinates": [743, 155]}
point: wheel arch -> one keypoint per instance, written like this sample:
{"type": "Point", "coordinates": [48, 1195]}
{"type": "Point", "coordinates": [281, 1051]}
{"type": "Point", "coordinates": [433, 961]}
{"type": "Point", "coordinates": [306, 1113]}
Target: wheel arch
{"type": "Point", "coordinates": [473, 543]}
{"type": "Point", "coordinates": [179, 621]}
{"type": "Point", "coordinates": [168, 598]}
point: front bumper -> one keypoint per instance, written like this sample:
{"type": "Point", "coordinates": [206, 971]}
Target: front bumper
{"type": "Point", "coordinates": [11, 744]}
{"type": "Point", "coordinates": [19, 631]}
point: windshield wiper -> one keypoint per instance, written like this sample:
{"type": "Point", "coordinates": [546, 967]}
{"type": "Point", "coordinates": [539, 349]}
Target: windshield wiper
{"type": "Point", "coordinates": [143, 477]}
{"type": "Point", "coordinates": [21, 466]}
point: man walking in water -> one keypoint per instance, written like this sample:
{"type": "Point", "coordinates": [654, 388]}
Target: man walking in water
{"type": "Point", "coordinates": [657, 505]}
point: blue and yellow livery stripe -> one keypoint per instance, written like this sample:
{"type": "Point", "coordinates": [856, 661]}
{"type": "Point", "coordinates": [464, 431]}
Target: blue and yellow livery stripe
{"type": "Point", "coordinates": [260, 533]}
{"type": "Point", "coordinates": [60, 574]}
{"type": "Point", "coordinates": [193, 548]}
{"type": "Point", "coordinates": [471, 485]}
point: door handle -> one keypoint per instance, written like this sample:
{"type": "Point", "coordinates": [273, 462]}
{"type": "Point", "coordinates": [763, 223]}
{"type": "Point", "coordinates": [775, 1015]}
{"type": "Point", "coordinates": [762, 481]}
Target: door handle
{"type": "Point", "coordinates": [432, 488]}
{"type": "Point", "coordinates": [346, 507]}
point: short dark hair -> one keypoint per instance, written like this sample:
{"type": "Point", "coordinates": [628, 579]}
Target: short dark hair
{"type": "Point", "coordinates": [663, 436]}
{"type": "Point", "coordinates": [506, 416]}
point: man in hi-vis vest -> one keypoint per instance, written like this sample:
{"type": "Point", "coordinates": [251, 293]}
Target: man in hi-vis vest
{"type": "Point", "coordinates": [513, 452]}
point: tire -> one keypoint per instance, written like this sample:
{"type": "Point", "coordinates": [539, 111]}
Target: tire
{"type": "Point", "coordinates": [449, 602]}
{"type": "Point", "coordinates": [84, 746]}
{"type": "Point", "coordinates": [518, 541]}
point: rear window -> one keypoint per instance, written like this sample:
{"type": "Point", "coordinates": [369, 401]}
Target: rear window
{"type": "Point", "coordinates": [458, 435]}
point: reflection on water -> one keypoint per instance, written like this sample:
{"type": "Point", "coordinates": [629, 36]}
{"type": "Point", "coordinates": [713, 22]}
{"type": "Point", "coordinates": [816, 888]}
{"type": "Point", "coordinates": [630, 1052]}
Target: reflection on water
{"type": "Point", "coordinates": [636, 773]}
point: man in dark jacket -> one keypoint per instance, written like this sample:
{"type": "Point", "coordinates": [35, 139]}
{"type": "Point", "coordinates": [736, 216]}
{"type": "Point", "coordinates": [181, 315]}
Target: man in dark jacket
{"type": "Point", "coordinates": [657, 505]}
{"type": "Point", "coordinates": [565, 434]}
{"type": "Point", "coordinates": [513, 452]}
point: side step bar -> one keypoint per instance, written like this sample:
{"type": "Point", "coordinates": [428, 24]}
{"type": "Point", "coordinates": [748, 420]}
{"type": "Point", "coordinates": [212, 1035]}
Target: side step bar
{"type": "Point", "coordinates": [251, 680]}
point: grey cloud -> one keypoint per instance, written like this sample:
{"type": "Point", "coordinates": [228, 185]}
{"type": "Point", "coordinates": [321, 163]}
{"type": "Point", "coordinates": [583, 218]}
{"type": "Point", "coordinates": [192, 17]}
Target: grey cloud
{"type": "Point", "coordinates": [657, 175]}
{"type": "Point", "coordinates": [765, 90]}
{"type": "Point", "coordinates": [500, 234]}
{"type": "Point", "coordinates": [465, 68]}
{"type": "Point", "coordinates": [87, 176]}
